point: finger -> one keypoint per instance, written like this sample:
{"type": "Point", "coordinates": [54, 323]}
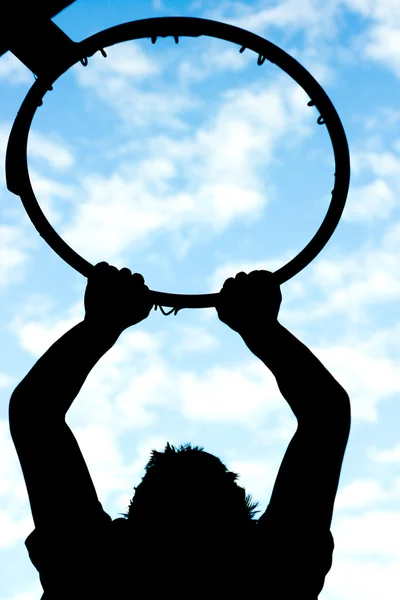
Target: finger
{"type": "Point", "coordinates": [241, 276]}
{"type": "Point", "coordinates": [148, 296]}
{"type": "Point", "coordinates": [97, 272]}
{"type": "Point", "coordinates": [264, 277]}
{"type": "Point", "coordinates": [124, 276]}
{"type": "Point", "coordinates": [269, 278]}
{"type": "Point", "coordinates": [98, 269]}
{"type": "Point", "coordinates": [112, 269]}
{"type": "Point", "coordinates": [138, 278]}
{"type": "Point", "coordinates": [228, 283]}
{"type": "Point", "coordinates": [266, 274]}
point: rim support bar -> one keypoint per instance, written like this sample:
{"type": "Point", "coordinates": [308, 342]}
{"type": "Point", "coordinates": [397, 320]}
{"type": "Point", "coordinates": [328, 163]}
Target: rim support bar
{"type": "Point", "coordinates": [43, 47]}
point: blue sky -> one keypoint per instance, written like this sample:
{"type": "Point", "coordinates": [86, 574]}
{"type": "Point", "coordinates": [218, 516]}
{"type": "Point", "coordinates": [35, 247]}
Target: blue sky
{"type": "Point", "coordinates": [188, 164]}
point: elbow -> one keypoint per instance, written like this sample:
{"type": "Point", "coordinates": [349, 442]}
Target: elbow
{"type": "Point", "coordinates": [330, 410]}
{"type": "Point", "coordinates": [344, 403]}
{"type": "Point", "coordinates": [20, 414]}
{"type": "Point", "coordinates": [340, 414]}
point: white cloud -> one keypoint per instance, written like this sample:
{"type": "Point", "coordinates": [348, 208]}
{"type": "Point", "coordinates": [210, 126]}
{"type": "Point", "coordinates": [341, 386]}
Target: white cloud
{"type": "Point", "coordinates": [369, 378]}
{"type": "Point", "coordinates": [40, 146]}
{"type": "Point", "coordinates": [283, 431]}
{"type": "Point", "coordinates": [105, 461]}
{"type": "Point", "coordinates": [12, 239]}
{"type": "Point", "coordinates": [381, 164]}
{"type": "Point", "coordinates": [359, 494]}
{"type": "Point", "coordinates": [365, 365]}
{"type": "Point", "coordinates": [194, 339]}
{"type": "Point", "coordinates": [354, 283]}
{"type": "Point", "coordinates": [116, 381]}
{"type": "Point", "coordinates": [122, 396]}
{"type": "Point", "coordinates": [150, 387]}
{"type": "Point", "coordinates": [47, 191]}
{"type": "Point", "coordinates": [380, 10]}
{"type": "Point", "coordinates": [361, 579]}
{"type": "Point", "coordinates": [384, 120]}
{"type": "Point", "coordinates": [53, 152]}
{"type": "Point", "coordinates": [6, 380]}
{"type": "Point", "coordinates": [5, 130]}
{"type": "Point", "coordinates": [369, 202]}
{"type": "Point", "coordinates": [9, 466]}
{"type": "Point", "coordinates": [127, 59]}
{"type": "Point", "coordinates": [257, 477]}
{"type": "Point", "coordinates": [117, 79]}
{"type": "Point", "coordinates": [15, 522]}
{"type": "Point", "coordinates": [218, 394]}
{"type": "Point", "coordinates": [13, 530]}
{"type": "Point", "coordinates": [13, 254]}
{"type": "Point", "coordinates": [371, 534]}
{"type": "Point", "coordinates": [391, 456]}
{"type": "Point", "coordinates": [383, 46]}
{"type": "Point", "coordinates": [142, 455]}
{"type": "Point", "coordinates": [143, 342]}
{"type": "Point", "coordinates": [108, 228]}
{"type": "Point", "coordinates": [34, 592]}
{"type": "Point", "coordinates": [37, 337]}
{"type": "Point", "coordinates": [220, 166]}
{"type": "Point", "coordinates": [366, 558]}
{"type": "Point", "coordinates": [211, 62]}
{"type": "Point", "coordinates": [13, 71]}
{"type": "Point", "coordinates": [308, 16]}
{"type": "Point", "coordinates": [380, 40]}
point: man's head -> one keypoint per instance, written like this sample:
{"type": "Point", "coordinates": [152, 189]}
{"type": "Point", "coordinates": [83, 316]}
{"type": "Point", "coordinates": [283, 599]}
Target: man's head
{"type": "Point", "coordinates": [188, 492]}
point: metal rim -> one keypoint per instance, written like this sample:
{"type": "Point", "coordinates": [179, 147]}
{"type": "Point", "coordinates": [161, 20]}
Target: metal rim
{"type": "Point", "coordinates": [17, 175]}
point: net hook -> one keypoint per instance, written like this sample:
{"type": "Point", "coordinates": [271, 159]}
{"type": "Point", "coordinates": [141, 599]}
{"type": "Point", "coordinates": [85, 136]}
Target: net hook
{"type": "Point", "coordinates": [320, 120]}
{"type": "Point", "coordinates": [104, 53]}
{"type": "Point", "coordinates": [166, 314]}
{"type": "Point", "coordinates": [84, 61]}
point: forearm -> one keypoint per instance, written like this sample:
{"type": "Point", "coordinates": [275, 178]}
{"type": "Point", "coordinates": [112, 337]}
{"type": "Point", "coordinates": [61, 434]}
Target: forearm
{"type": "Point", "coordinates": [308, 387]}
{"type": "Point", "coordinates": [55, 380]}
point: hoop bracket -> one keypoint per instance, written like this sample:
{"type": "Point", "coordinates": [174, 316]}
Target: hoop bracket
{"type": "Point", "coordinates": [44, 48]}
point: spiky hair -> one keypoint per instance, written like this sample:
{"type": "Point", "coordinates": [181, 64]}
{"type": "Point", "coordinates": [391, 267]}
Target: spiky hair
{"type": "Point", "coordinates": [184, 467]}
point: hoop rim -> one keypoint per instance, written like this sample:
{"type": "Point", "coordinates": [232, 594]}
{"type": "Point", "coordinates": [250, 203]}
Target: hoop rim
{"type": "Point", "coordinates": [17, 174]}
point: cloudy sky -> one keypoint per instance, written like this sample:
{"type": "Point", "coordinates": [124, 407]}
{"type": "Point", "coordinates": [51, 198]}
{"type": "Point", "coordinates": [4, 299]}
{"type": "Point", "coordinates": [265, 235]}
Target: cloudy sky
{"type": "Point", "coordinates": [188, 164]}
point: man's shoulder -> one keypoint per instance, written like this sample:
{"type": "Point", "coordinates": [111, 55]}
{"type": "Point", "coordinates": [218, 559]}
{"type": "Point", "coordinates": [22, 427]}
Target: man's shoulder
{"type": "Point", "coordinates": [61, 533]}
{"type": "Point", "coordinates": [82, 554]}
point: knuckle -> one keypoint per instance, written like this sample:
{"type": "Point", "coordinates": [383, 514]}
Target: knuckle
{"type": "Point", "coordinates": [229, 282]}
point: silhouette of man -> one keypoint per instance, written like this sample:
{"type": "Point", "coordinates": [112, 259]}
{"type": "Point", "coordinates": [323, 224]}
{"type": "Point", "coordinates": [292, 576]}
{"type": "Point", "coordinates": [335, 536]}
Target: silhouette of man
{"type": "Point", "coordinates": [189, 532]}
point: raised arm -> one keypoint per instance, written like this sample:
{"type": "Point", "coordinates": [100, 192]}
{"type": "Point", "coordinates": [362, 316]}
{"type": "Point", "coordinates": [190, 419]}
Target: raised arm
{"type": "Point", "coordinates": [308, 478]}
{"type": "Point", "coordinates": [114, 301]}
{"type": "Point", "coordinates": [55, 472]}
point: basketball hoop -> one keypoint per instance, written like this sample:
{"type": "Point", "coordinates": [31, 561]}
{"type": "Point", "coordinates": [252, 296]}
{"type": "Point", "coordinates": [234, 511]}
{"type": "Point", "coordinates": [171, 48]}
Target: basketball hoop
{"type": "Point", "coordinates": [17, 175]}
